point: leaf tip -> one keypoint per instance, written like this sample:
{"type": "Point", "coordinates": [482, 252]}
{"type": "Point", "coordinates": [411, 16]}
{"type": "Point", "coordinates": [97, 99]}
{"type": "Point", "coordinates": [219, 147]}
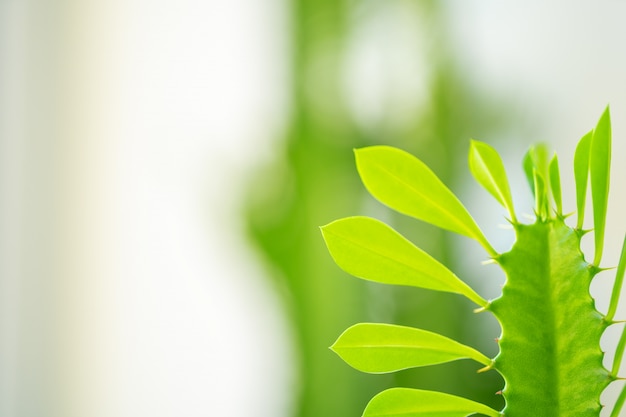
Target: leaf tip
{"type": "Point", "coordinates": [358, 153]}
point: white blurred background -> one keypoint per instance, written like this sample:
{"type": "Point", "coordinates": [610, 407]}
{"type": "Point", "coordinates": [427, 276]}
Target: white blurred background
{"type": "Point", "coordinates": [127, 132]}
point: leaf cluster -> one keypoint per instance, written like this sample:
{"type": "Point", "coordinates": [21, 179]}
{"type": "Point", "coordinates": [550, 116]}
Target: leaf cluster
{"type": "Point", "coordinates": [550, 327]}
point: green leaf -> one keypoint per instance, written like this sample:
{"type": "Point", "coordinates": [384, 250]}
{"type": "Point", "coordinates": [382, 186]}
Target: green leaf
{"type": "Point", "coordinates": [581, 175]}
{"type": "Point", "coordinates": [617, 285]}
{"type": "Point", "coordinates": [541, 159]}
{"type": "Point", "coordinates": [404, 183]}
{"type": "Point", "coordinates": [540, 196]}
{"type": "Point", "coordinates": [528, 165]}
{"type": "Point", "coordinates": [535, 165]}
{"type": "Point", "coordinates": [487, 168]}
{"type": "Point", "coordinates": [381, 348]}
{"type": "Point", "coordinates": [555, 184]}
{"type": "Point", "coordinates": [617, 408]}
{"type": "Point", "coordinates": [599, 169]}
{"type": "Point", "coordinates": [619, 354]}
{"type": "Point", "coordinates": [369, 249]}
{"type": "Point", "coordinates": [405, 402]}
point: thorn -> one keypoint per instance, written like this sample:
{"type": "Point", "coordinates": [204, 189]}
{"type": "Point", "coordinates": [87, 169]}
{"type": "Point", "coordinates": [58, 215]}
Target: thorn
{"type": "Point", "coordinates": [489, 261]}
{"type": "Point", "coordinates": [497, 339]}
{"type": "Point", "coordinates": [480, 309]}
{"type": "Point", "coordinates": [594, 269]}
{"type": "Point", "coordinates": [499, 392]}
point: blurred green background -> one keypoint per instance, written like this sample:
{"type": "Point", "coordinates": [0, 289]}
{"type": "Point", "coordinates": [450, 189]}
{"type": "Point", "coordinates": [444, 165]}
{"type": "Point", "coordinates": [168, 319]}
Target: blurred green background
{"type": "Point", "coordinates": [409, 43]}
{"type": "Point", "coordinates": [165, 167]}
{"type": "Point", "coordinates": [320, 184]}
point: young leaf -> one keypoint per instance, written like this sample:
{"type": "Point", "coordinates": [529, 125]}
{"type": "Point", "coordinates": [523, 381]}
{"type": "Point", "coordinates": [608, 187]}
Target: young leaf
{"type": "Point", "coordinates": [617, 285]}
{"type": "Point", "coordinates": [581, 175]}
{"type": "Point", "coordinates": [619, 354]}
{"type": "Point", "coordinates": [367, 248]}
{"type": "Point", "coordinates": [535, 165]}
{"type": "Point", "coordinates": [404, 183]}
{"type": "Point", "coordinates": [540, 196]}
{"type": "Point", "coordinates": [599, 169]}
{"type": "Point", "coordinates": [540, 158]}
{"type": "Point", "coordinates": [617, 408]}
{"type": "Point", "coordinates": [555, 184]}
{"type": "Point", "coordinates": [405, 402]}
{"type": "Point", "coordinates": [535, 158]}
{"type": "Point", "coordinates": [380, 348]}
{"type": "Point", "coordinates": [529, 165]}
{"type": "Point", "coordinates": [487, 168]}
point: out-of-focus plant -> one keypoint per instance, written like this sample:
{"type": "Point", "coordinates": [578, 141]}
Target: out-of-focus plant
{"type": "Point", "coordinates": [550, 355]}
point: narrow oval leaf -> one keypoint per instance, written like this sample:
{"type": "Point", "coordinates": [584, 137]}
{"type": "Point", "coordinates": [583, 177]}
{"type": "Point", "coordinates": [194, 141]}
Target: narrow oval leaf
{"type": "Point", "coordinates": [487, 168]}
{"type": "Point", "coordinates": [599, 169]}
{"type": "Point", "coordinates": [369, 249]}
{"type": "Point", "coordinates": [555, 184]}
{"type": "Point", "coordinates": [541, 200]}
{"type": "Point", "coordinates": [619, 354]}
{"type": "Point", "coordinates": [529, 165]}
{"type": "Point", "coordinates": [535, 165]}
{"type": "Point", "coordinates": [406, 402]}
{"type": "Point", "coordinates": [617, 285]}
{"type": "Point", "coordinates": [381, 348]}
{"type": "Point", "coordinates": [619, 403]}
{"type": "Point", "coordinates": [581, 175]}
{"type": "Point", "coordinates": [404, 183]}
{"type": "Point", "coordinates": [541, 159]}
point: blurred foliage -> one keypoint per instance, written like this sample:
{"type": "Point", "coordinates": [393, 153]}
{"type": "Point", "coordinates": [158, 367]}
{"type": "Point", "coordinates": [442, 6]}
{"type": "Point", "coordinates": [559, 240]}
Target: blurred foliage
{"type": "Point", "coordinates": [314, 181]}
